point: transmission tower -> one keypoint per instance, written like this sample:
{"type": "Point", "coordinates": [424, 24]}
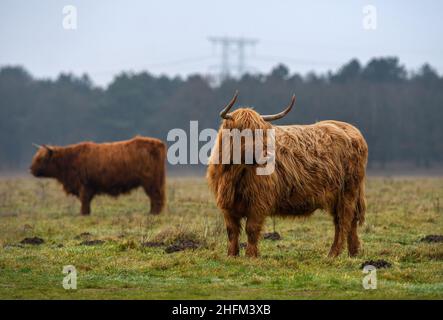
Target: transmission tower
{"type": "Point", "coordinates": [228, 46]}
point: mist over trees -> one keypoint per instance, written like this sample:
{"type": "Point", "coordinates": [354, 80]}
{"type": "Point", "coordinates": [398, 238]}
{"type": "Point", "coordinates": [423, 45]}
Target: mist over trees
{"type": "Point", "coordinates": [400, 113]}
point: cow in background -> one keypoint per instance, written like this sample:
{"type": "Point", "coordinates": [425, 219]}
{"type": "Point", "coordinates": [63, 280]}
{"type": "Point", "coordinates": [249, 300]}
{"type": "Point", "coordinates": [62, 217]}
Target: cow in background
{"type": "Point", "coordinates": [87, 169]}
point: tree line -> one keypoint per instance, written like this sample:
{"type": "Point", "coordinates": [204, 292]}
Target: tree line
{"type": "Point", "coordinates": [399, 112]}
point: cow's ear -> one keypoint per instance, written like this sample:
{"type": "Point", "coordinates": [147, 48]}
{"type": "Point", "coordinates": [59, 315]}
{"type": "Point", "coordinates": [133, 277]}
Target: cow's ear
{"type": "Point", "coordinates": [49, 149]}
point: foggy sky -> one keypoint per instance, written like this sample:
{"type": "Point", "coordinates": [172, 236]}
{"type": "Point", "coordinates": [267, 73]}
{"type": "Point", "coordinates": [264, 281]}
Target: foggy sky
{"type": "Point", "coordinates": [171, 37]}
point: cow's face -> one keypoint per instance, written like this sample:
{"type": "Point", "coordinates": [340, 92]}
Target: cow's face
{"type": "Point", "coordinates": [252, 129]}
{"type": "Point", "coordinates": [245, 118]}
{"type": "Point", "coordinates": [243, 134]}
{"type": "Point", "coordinates": [42, 164]}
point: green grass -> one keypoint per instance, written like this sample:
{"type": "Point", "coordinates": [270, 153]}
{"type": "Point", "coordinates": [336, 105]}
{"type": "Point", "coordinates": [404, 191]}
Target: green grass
{"type": "Point", "coordinates": [400, 213]}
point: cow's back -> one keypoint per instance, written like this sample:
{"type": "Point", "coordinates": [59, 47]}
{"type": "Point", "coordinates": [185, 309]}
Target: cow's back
{"type": "Point", "coordinates": [118, 167]}
{"type": "Point", "coordinates": [325, 140]}
{"type": "Point", "coordinates": [316, 160]}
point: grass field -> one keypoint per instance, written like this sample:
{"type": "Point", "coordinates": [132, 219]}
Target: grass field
{"type": "Point", "coordinates": [132, 262]}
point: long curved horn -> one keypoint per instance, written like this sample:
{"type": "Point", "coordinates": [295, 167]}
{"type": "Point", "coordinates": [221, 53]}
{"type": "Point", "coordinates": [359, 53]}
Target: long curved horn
{"type": "Point", "coordinates": [224, 113]}
{"type": "Point", "coordinates": [280, 114]}
{"type": "Point", "coordinates": [43, 146]}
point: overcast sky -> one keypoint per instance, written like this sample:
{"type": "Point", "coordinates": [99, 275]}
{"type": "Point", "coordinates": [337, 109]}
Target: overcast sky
{"type": "Point", "coordinates": [171, 37]}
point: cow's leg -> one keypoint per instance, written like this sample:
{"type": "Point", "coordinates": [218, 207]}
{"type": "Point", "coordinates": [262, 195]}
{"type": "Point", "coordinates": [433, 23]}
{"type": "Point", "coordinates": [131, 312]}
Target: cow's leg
{"type": "Point", "coordinates": [342, 220]}
{"type": "Point", "coordinates": [340, 237]}
{"type": "Point", "coordinates": [157, 197]}
{"type": "Point", "coordinates": [86, 196]}
{"type": "Point", "coordinates": [233, 226]}
{"type": "Point", "coordinates": [334, 247]}
{"type": "Point", "coordinates": [254, 226]}
{"type": "Point", "coordinates": [353, 240]}
{"type": "Point", "coordinates": [359, 218]}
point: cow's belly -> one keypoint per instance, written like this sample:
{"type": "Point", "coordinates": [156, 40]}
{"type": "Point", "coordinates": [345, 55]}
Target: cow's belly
{"type": "Point", "coordinates": [297, 208]}
{"type": "Point", "coordinates": [114, 188]}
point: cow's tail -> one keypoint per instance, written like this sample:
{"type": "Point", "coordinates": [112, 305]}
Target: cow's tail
{"type": "Point", "coordinates": [361, 204]}
{"type": "Point", "coordinates": [162, 178]}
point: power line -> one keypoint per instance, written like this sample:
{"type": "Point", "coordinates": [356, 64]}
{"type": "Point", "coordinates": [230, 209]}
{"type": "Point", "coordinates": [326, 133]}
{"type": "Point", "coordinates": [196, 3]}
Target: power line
{"type": "Point", "coordinates": [293, 60]}
{"type": "Point", "coordinates": [180, 61]}
{"type": "Point", "coordinates": [149, 66]}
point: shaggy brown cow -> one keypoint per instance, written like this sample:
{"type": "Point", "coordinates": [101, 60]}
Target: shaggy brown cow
{"type": "Point", "coordinates": [317, 166]}
{"type": "Point", "coordinates": [87, 169]}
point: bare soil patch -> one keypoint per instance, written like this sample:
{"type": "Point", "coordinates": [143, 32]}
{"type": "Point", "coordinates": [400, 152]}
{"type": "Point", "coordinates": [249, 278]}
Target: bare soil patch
{"type": "Point", "coordinates": [91, 242]}
{"type": "Point", "coordinates": [181, 245]}
{"type": "Point", "coordinates": [33, 241]}
{"type": "Point", "coordinates": [379, 264]}
{"type": "Point", "coordinates": [153, 244]}
{"type": "Point", "coordinates": [272, 236]}
{"type": "Point", "coordinates": [432, 238]}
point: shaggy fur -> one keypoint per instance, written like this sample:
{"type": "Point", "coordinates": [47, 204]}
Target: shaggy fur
{"type": "Point", "coordinates": [87, 169]}
{"type": "Point", "coordinates": [318, 166]}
